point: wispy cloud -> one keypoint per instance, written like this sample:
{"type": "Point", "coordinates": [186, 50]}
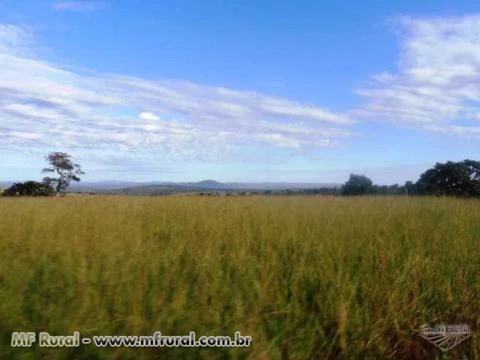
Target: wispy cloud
{"type": "Point", "coordinates": [78, 5]}
{"type": "Point", "coordinates": [437, 87]}
{"type": "Point", "coordinates": [45, 105]}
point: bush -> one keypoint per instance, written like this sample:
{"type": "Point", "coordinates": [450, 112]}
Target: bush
{"type": "Point", "coordinates": [358, 185]}
{"type": "Point", "coordinates": [29, 188]}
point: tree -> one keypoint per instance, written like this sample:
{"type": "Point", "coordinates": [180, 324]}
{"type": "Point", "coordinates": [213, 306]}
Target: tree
{"type": "Point", "coordinates": [451, 178]}
{"type": "Point", "coordinates": [66, 170]}
{"type": "Point", "coordinates": [410, 188]}
{"type": "Point", "coordinates": [357, 185]}
{"type": "Point", "coordinates": [29, 188]}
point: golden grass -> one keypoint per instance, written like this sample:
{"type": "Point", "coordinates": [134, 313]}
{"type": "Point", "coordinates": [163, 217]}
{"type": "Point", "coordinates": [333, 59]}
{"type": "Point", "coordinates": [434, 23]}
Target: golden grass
{"type": "Point", "coordinates": [306, 277]}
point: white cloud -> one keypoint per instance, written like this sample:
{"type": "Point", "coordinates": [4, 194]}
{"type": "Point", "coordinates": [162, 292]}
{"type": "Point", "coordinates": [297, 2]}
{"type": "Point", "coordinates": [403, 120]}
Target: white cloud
{"type": "Point", "coordinates": [26, 135]}
{"type": "Point", "coordinates": [31, 111]}
{"type": "Point", "coordinates": [83, 5]}
{"type": "Point", "coordinates": [438, 82]}
{"type": "Point", "coordinates": [44, 105]}
{"type": "Point", "coordinates": [148, 116]}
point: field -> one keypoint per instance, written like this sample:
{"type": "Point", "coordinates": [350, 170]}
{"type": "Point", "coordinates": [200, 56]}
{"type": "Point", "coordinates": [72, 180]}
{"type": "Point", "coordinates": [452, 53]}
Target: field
{"type": "Point", "coordinates": [306, 277]}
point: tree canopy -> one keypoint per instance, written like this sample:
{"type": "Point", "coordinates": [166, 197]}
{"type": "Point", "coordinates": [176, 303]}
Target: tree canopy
{"type": "Point", "coordinates": [451, 178]}
{"type": "Point", "coordinates": [358, 185]}
{"type": "Point", "coordinates": [29, 188]}
{"type": "Point", "coordinates": [66, 171]}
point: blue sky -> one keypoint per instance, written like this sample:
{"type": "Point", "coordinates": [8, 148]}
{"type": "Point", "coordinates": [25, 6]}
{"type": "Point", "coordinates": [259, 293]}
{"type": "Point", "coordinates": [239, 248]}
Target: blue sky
{"type": "Point", "coordinates": [239, 91]}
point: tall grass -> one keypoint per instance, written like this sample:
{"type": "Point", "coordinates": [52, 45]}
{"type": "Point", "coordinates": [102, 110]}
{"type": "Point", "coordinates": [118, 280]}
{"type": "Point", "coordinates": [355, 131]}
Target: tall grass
{"type": "Point", "coordinates": [306, 277]}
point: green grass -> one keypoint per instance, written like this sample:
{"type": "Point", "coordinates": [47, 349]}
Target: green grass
{"type": "Point", "coordinates": [306, 277]}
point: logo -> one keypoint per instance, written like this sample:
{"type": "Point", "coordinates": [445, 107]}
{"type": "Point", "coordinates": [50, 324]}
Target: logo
{"type": "Point", "coordinates": [445, 337]}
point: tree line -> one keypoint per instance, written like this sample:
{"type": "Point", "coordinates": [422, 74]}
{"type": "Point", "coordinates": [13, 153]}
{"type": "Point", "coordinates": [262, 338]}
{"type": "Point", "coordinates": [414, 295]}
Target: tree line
{"type": "Point", "coordinates": [461, 179]}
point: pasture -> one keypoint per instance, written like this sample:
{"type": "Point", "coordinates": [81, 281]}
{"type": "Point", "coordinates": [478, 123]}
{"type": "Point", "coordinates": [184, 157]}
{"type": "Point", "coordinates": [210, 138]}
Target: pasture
{"type": "Point", "coordinates": [306, 277]}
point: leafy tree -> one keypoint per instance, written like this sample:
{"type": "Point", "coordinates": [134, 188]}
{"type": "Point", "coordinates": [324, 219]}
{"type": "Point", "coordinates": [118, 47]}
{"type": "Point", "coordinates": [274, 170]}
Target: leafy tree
{"type": "Point", "coordinates": [358, 185]}
{"type": "Point", "coordinates": [66, 171]}
{"type": "Point", "coordinates": [451, 178]}
{"type": "Point", "coordinates": [29, 188]}
{"type": "Point", "coordinates": [410, 188]}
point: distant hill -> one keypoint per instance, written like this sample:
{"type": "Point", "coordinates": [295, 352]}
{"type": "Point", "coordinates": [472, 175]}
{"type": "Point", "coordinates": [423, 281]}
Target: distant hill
{"type": "Point", "coordinates": [282, 185]}
{"type": "Point", "coordinates": [215, 186]}
{"type": "Point", "coordinates": [102, 186]}
{"type": "Point", "coordinates": [165, 188]}
{"type": "Point", "coordinates": [205, 184]}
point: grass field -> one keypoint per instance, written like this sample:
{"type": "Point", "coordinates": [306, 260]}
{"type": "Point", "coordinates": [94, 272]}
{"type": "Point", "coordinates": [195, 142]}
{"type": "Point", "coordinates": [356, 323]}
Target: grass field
{"type": "Point", "coordinates": [306, 277]}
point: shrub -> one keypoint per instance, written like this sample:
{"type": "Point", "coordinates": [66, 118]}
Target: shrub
{"type": "Point", "coordinates": [358, 185]}
{"type": "Point", "coordinates": [29, 188]}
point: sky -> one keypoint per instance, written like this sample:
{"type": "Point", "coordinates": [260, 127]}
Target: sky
{"type": "Point", "coordinates": [254, 91]}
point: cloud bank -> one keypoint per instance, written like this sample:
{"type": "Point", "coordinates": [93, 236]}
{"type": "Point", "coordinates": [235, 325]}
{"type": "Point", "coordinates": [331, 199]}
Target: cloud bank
{"type": "Point", "coordinates": [44, 105]}
{"type": "Point", "coordinates": [437, 87]}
